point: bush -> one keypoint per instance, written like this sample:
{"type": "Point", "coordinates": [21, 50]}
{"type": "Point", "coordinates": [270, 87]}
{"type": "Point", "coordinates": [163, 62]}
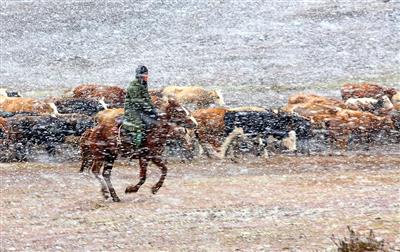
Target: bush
{"type": "Point", "coordinates": [357, 243]}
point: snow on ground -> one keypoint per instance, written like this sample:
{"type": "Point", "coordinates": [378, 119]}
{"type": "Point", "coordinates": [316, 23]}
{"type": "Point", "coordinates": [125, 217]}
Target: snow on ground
{"type": "Point", "coordinates": [283, 203]}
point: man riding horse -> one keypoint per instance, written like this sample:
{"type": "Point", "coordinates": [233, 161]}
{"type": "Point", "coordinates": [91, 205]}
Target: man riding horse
{"type": "Point", "coordinates": [141, 127]}
{"type": "Point", "coordinates": [140, 113]}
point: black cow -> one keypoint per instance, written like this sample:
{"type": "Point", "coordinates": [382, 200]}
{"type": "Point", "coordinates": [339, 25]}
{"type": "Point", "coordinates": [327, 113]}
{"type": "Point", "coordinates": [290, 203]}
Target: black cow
{"type": "Point", "coordinates": [47, 130]}
{"type": "Point", "coordinates": [6, 114]}
{"type": "Point", "coordinates": [84, 106]}
{"type": "Point", "coordinates": [261, 125]}
{"type": "Point", "coordinates": [5, 92]}
{"type": "Point", "coordinates": [13, 94]}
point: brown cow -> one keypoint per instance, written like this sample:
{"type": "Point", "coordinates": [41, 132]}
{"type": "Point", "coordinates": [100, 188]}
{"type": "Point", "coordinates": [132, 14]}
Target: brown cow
{"type": "Point", "coordinates": [3, 125]}
{"type": "Point", "coordinates": [211, 127]}
{"type": "Point", "coordinates": [350, 122]}
{"type": "Point", "coordinates": [156, 92]}
{"type": "Point", "coordinates": [109, 116]}
{"type": "Point", "coordinates": [312, 99]}
{"type": "Point", "coordinates": [313, 107]}
{"type": "Point", "coordinates": [114, 96]}
{"type": "Point", "coordinates": [396, 99]}
{"type": "Point", "coordinates": [20, 104]}
{"type": "Point", "coordinates": [365, 90]}
{"type": "Point", "coordinates": [333, 115]}
{"type": "Point", "coordinates": [210, 131]}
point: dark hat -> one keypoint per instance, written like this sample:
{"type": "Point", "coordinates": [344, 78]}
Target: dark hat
{"type": "Point", "coordinates": [141, 70]}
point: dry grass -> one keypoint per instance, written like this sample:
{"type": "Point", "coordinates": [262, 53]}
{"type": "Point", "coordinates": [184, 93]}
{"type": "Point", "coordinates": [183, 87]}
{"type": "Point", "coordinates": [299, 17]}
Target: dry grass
{"type": "Point", "coordinates": [356, 242]}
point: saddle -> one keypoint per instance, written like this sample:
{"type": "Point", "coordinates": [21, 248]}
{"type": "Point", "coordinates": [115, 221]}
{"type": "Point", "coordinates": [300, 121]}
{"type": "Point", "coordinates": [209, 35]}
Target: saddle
{"type": "Point", "coordinates": [126, 146]}
{"type": "Point", "coordinates": [127, 139]}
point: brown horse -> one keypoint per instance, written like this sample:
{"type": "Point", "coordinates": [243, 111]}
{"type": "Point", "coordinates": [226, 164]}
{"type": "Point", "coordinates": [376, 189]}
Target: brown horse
{"type": "Point", "coordinates": [102, 144]}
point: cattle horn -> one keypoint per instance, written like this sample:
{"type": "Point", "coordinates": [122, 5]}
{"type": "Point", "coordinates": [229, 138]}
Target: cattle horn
{"type": "Point", "coordinates": [221, 98]}
{"type": "Point", "coordinates": [54, 107]}
{"type": "Point", "coordinates": [103, 103]}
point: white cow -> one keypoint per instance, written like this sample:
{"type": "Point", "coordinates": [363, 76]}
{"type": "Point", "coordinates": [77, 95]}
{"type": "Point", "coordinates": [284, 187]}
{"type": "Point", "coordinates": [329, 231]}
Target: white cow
{"type": "Point", "coordinates": [369, 104]}
{"type": "Point", "coordinates": [195, 95]}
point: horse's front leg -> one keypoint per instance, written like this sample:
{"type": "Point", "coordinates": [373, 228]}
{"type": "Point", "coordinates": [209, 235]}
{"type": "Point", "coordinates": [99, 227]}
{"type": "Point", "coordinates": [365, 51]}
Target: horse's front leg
{"type": "Point", "coordinates": [143, 171]}
{"type": "Point", "coordinates": [96, 167]}
{"type": "Point", "coordinates": [107, 176]}
{"type": "Point", "coordinates": [160, 163]}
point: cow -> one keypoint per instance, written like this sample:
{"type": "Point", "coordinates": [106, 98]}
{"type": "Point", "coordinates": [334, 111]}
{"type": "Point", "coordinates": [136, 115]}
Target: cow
{"type": "Point", "coordinates": [396, 99]}
{"type": "Point", "coordinates": [370, 104]}
{"type": "Point", "coordinates": [315, 99]}
{"type": "Point", "coordinates": [210, 129]}
{"type": "Point", "coordinates": [156, 92]}
{"type": "Point", "coordinates": [259, 126]}
{"type": "Point", "coordinates": [86, 106]}
{"type": "Point", "coordinates": [313, 107]}
{"type": "Point", "coordinates": [114, 96]}
{"type": "Point", "coordinates": [365, 90]}
{"type": "Point", "coordinates": [47, 130]}
{"type": "Point", "coordinates": [347, 124]}
{"type": "Point", "coordinates": [21, 104]}
{"type": "Point", "coordinates": [3, 129]}
{"type": "Point", "coordinates": [194, 95]}
{"type": "Point", "coordinates": [312, 100]}
{"type": "Point", "coordinates": [4, 92]}
{"type": "Point", "coordinates": [3, 122]}
{"type": "Point", "coordinates": [109, 116]}
{"type": "Point", "coordinates": [247, 108]}
{"type": "Point", "coordinates": [341, 120]}
{"type": "Point", "coordinates": [5, 114]}
{"type": "Point", "coordinates": [210, 132]}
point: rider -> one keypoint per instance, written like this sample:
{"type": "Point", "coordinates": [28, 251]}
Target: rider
{"type": "Point", "coordinates": [139, 109]}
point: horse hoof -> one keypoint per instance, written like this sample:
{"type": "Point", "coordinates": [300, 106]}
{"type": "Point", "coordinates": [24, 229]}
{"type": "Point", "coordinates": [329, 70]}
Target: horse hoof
{"type": "Point", "coordinates": [154, 190]}
{"type": "Point", "coordinates": [116, 199]}
{"type": "Point", "coordinates": [132, 189]}
{"type": "Point", "coordinates": [105, 194]}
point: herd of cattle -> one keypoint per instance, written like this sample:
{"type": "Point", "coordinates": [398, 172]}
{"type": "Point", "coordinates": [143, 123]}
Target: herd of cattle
{"type": "Point", "coordinates": [365, 111]}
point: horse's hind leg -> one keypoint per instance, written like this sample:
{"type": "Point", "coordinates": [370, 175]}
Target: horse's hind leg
{"type": "Point", "coordinates": [96, 167]}
{"type": "Point", "coordinates": [143, 171]}
{"type": "Point", "coordinates": [164, 170]}
{"type": "Point", "coordinates": [87, 160]}
{"type": "Point", "coordinates": [107, 176]}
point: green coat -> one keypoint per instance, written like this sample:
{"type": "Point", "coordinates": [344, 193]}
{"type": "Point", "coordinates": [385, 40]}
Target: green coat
{"type": "Point", "coordinates": [137, 102]}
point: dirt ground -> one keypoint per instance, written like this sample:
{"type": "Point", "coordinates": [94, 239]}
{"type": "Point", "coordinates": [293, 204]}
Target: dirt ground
{"type": "Point", "coordinates": [287, 202]}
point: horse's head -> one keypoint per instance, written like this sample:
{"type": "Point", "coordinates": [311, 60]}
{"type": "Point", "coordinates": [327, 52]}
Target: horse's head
{"type": "Point", "coordinates": [178, 114]}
